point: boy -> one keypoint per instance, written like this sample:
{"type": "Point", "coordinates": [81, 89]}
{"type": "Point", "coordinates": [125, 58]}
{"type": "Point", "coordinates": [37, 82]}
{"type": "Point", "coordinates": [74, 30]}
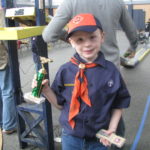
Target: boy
{"type": "Point", "coordinates": [89, 90]}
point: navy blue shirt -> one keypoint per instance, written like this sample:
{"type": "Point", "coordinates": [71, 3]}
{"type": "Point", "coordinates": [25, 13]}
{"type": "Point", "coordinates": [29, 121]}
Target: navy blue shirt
{"type": "Point", "coordinates": [107, 91]}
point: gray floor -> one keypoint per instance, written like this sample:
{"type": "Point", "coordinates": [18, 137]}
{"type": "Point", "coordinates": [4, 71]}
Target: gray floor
{"type": "Point", "coordinates": [137, 79]}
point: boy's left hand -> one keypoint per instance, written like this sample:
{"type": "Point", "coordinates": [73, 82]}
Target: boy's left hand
{"type": "Point", "coordinates": [105, 142]}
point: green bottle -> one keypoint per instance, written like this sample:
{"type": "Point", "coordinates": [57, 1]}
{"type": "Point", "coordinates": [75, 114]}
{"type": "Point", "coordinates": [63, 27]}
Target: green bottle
{"type": "Point", "coordinates": [40, 76]}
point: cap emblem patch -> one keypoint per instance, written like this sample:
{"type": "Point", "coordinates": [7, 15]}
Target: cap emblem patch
{"type": "Point", "coordinates": [77, 19]}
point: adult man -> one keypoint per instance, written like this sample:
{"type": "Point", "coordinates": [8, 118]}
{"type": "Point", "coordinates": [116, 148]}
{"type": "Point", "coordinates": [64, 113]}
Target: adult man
{"type": "Point", "coordinates": [110, 12]}
{"type": "Point", "coordinates": [7, 105]}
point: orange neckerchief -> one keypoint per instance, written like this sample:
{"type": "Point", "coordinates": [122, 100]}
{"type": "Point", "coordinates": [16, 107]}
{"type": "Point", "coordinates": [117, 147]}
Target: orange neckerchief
{"type": "Point", "coordinates": [80, 90]}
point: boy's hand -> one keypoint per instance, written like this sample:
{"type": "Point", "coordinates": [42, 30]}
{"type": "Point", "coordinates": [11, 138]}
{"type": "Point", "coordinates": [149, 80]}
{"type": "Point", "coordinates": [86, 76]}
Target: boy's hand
{"type": "Point", "coordinates": [45, 83]}
{"type": "Point", "coordinates": [105, 142]}
{"type": "Point", "coordinates": [108, 137]}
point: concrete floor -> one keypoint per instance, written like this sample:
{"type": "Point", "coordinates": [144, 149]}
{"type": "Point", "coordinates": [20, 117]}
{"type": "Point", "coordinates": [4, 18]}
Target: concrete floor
{"type": "Point", "coordinates": [137, 79]}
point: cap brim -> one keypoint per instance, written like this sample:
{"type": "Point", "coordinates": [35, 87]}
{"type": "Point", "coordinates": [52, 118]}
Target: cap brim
{"type": "Point", "coordinates": [83, 28]}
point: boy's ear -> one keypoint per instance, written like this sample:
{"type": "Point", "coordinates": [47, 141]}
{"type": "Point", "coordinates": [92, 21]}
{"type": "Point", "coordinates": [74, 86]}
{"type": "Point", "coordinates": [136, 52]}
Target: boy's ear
{"type": "Point", "coordinates": [103, 36]}
{"type": "Point", "coordinates": [70, 41]}
{"type": "Point", "coordinates": [73, 46]}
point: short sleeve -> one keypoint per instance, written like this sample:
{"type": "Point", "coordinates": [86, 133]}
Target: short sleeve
{"type": "Point", "coordinates": [122, 99]}
{"type": "Point", "coordinates": [58, 87]}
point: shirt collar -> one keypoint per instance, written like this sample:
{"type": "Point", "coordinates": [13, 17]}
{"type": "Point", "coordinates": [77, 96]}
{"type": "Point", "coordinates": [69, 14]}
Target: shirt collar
{"type": "Point", "coordinates": [100, 60]}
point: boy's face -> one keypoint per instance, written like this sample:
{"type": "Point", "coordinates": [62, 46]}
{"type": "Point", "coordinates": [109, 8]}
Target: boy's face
{"type": "Point", "coordinates": [87, 44]}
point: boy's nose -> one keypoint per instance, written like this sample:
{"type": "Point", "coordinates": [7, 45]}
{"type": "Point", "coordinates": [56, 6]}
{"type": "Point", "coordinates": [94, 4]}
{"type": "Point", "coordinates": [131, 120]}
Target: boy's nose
{"type": "Point", "coordinates": [87, 42]}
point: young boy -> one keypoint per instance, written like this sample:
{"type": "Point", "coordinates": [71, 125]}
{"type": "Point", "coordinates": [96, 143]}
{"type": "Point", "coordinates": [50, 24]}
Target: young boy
{"type": "Point", "coordinates": [88, 89]}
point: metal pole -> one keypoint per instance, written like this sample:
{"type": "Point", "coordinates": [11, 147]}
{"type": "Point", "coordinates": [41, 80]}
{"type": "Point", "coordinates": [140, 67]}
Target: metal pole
{"type": "Point", "coordinates": [14, 66]}
{"type": "Point", "coordinates": [42, 47]}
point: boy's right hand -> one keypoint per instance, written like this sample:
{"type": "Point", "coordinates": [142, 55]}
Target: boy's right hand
{"type": "Point", "coordinates": [47, 92]}
{"type": "Point", "coordinates": [45, 83]}
{"type": "Point", "coordinates": [104, 141]}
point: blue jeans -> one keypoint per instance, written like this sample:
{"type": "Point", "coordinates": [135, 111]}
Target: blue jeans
{"type": "Point", "coordinates": [74, 143]}
{"type": "Point", "coordinates": [7, 104]}
{"type": "Point", "coordinates": [36, 59]}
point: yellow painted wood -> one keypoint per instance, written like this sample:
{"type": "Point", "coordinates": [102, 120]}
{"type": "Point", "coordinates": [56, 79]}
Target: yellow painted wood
{"type": "Point", "coordinates": [16, 33]}
{"type": "Point", "coordinates": [1, 141]}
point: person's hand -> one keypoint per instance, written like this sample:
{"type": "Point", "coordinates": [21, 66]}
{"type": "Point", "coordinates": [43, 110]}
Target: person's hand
{"type": "Point", "coordinates": [129, 53]}
{"type": "Point", "coordinates": [105, 142]}
{"type": "Point", "coordinates": [45, 83]}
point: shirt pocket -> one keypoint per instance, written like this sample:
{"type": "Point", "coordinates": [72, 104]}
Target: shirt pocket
{"type": "Point", "coordinates": [110, 91]}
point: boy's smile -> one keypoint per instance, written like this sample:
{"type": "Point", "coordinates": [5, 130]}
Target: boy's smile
{"type": "Point", "coordinates": [87, 44]}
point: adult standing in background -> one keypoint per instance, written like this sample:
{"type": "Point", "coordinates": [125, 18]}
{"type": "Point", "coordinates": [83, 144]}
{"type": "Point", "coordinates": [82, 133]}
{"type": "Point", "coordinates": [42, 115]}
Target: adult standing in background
{"type": "Point", "coordinates": [7, 105]}
{"type": "Point", "coordinates": [35, 53]}
{"type": "Point", "coordinates": [111, 13]}
{"type": "Point", "coordinates": [147, 28]}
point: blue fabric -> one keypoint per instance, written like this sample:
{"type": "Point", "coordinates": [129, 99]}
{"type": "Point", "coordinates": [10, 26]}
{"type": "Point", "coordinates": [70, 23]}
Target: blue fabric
{"type": "Point", "coordinates": [37, 62]}
{"type": "Point", "coordinates": [3, 3]}
{"type": "Point", "coordinates": [35, 53]}
{"type": "Point", "coordinates": [107, 91]}
{"type": "Point", "coordinates": [6, 3]}
{"type": "Point", "coordinates": [74, 143]}
{"type": "Point", "coordinates": [7, 105]}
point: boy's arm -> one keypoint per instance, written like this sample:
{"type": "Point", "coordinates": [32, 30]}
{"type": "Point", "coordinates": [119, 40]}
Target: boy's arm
{"type": "Point", "coordinates": [116, 115]}
{"type": "Point", "coordinates": [51, 97]}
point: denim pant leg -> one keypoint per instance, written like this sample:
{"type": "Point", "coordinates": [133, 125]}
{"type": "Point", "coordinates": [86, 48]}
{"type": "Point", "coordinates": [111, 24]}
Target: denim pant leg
{"type": "Point", "coordinates": [94, 145]}
{"type": "Point", "coordinates": [71, 143]}
{"type": "Point", "coordinates": [1, 106]}
{"type": "Point", "coordinates": [74, 143]}
{"type": "Point", "coordinates": [36, 59]}
{"type": "Point", "coordinates": [8, 108]}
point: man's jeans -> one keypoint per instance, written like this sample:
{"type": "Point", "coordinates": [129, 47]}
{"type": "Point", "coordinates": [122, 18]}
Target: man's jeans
{"type": "Point", "coordinates": [7, 104]}
{"type": "Point", "coordinates": [74, 143]}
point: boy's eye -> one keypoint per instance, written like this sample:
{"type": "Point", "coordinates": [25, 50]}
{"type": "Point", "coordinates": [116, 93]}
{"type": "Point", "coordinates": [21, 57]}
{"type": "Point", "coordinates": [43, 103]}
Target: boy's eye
{"type": "Point", "coordinates": [93, 37]}
{"type": "Point", "coordinates": [79, 40]}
